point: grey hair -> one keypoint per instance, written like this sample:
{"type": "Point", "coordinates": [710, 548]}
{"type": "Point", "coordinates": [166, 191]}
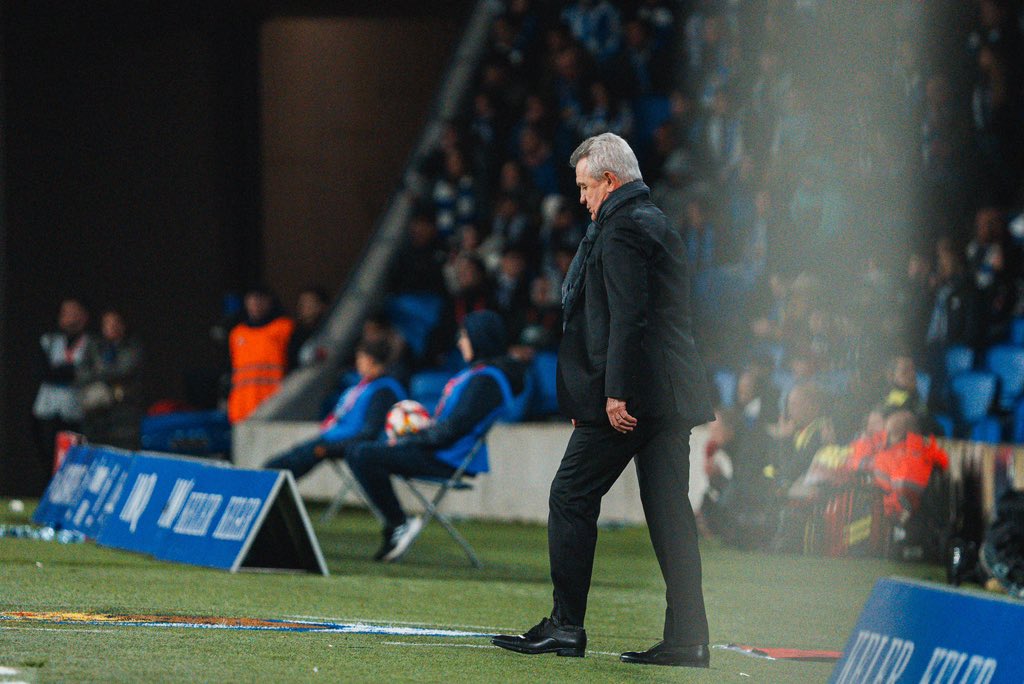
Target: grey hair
{"type": "Point", "coordinates": [608, 152]}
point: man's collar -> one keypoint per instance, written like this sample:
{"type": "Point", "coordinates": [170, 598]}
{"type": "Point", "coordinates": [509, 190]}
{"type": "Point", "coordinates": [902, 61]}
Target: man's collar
{"type": "Point", "coordinates": [620, 196]}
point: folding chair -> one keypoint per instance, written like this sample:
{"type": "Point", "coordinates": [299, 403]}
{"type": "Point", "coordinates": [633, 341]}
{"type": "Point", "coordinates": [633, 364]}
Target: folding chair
{"type": "Point", "coordinates": [431, 504]}
{"type": "Point", "coordinates": [348, 484]}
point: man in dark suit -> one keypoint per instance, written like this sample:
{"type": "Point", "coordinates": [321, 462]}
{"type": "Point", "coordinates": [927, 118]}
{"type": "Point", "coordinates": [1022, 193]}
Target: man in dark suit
{"type": "Point", "coordinates": [630, 378]}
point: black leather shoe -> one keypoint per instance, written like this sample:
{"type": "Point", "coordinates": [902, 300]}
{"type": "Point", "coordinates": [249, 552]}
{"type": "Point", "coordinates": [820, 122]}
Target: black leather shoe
{"type": "Point", "coordinates": [546, 637]}
{"type": "Point", "coordinates": [666, 654]}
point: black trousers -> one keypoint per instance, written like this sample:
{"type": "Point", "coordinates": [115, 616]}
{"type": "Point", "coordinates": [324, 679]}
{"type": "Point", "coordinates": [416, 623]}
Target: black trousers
{"type": "Point", "coordinates": [373, 463]}
{"type": "Point", "coordinates": [593, 460]}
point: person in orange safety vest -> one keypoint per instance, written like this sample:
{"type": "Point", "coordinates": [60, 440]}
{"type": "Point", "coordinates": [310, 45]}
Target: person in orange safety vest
{"type": "Point", "coordinates": [259, 353]}
{"type": "Point", "coordinates": [902, 467]}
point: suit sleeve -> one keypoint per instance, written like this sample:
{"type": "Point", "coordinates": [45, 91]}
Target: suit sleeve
{"type": "Point", "coordinates": [625, 281]}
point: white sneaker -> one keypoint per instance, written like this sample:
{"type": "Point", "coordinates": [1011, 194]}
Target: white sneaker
{"type": "Point", "coordinates": [402, 538]}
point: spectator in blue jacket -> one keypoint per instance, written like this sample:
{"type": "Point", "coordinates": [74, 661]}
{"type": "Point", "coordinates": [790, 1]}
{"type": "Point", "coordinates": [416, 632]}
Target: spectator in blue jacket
{"type": "Point", "coordinates": [471, 403]}
{"type": "Point", "coordinates": [358, 417]}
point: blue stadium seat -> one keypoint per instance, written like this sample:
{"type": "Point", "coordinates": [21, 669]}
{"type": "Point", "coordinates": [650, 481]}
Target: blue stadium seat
{"type": "Point", "coordinates": [427, 387]}
{"type": "Point", "coordinates": [783, 380]}
{"type": "Point", "coordinates": [959, 358]}
{"type": "Point", "coordinates": [545, 401]}
{"type": "Point", "coordinates": [778, 353]}
{"type": "Point", "coordinates": [944, 422]}
{"type": "Point", "coordinates": [1017, 332]}
{"type": "Point", "coordinates": [973, 394]}
{"type": "Point", "coordinates": [924, 385]}
{"type": "Point", "coordinates": [415, 315]}
{"type": "Point", "coordinates": [1007, 362]}
{"type": "Point", "coordinates": [987, 430]}
{"type": "Point", "coordinates": [190, 433]}
{"type": "Point", "coordinates": [650, 112]}
{"type": "Point", "coordinates": [1018, 423]}
{"type": "Point", "coordinates": [522, 403]}
{"type": "Point", "coordinates": [725, 379]}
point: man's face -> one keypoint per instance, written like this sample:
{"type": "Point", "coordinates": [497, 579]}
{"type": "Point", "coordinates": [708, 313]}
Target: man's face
{"type": "Point", "coordinates": [593, 191]}
{"type": "Point", "coordinates": [897, 426]}
{"type": "Point", "coordinates": [367, 366]}
{"type": "Point", "coordinates": [310, 308]}
{"type": "Point", "coordinates": [465, 346]}
{"type": "Point", "coordinates": [513, 265]}
{"type": "Point", "coordinates": [904, 373]}
{"type": "Point", "coordinates": [112, 327]}
{"type": "Point", "coordinates": [986, 224]}
{"type": "Point", "coordinates": [72, 317]}
{"type": "Point", "coordinates": [257, 306]}
{"type": "Point", "coordinates": [801, 408]}
{"type": "Point", "coordinates": [421, 232]}
{"type": "Point", "coordinates": [746, 387]}
{"type": "Point", "coordinates": [466, 274]}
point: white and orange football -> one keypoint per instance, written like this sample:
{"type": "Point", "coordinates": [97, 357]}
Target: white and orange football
{"type": "Point", "coordinates": [405, 418]}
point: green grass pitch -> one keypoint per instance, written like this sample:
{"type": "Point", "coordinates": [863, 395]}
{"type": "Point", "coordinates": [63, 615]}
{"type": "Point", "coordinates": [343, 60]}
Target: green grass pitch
{"type": "Point", "coordinates": [772, 601]}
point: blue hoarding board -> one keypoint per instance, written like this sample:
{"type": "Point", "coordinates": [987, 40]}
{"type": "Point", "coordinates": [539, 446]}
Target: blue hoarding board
{"type": "Point", "coordinates": [65, 489]}
{"type": "Point", "coordinates": [99, 492]}
{"type": "Point", "coordinates": [181, 509]}
{"type": "Point", "coordinates": [189, 511]}
{"type": "Point", "coordinates": [922, 633]}
{"type": "Point", "coordinates": [85, 490]}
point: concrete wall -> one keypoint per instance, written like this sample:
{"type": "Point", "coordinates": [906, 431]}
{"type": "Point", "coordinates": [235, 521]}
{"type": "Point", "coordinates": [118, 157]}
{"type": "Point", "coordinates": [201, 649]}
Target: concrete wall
{"type": "Point", "coordinates": [523, 459]}
{"type": "Point", "coordinates": [343, 100]}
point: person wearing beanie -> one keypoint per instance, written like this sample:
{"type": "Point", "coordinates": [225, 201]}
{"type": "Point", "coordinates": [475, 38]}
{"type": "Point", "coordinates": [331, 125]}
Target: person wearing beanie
{"type": "Point", "coordinates": [471, 403]}
{"type": "Point", "coordinates": [359, 415]}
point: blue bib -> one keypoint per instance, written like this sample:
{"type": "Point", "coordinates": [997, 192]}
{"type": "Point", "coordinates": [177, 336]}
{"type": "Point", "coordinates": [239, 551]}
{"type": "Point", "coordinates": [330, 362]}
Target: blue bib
{"type": "Point", "coordinates": [454, 455]}
{"type": "Point", "coordinates": [349, 413]}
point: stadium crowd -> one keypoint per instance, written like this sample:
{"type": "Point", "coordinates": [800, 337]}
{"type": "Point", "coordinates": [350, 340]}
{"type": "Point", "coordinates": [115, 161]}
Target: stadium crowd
{"type": "Point", "coordinates": [847, 178]}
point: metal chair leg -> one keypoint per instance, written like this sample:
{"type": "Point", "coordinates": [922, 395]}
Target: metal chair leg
{"type": "Point", "coordinates": [348, 484]}
{"type": "Point", "coordinates": [430, 511]}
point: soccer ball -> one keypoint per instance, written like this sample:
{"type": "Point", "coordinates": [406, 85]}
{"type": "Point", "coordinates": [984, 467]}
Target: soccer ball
{"type": "Point", "coordinates": [405, 418]}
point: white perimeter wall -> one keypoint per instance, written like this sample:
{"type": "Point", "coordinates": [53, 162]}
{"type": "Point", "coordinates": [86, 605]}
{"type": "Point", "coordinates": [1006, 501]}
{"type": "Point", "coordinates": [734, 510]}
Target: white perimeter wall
{"type": "Point", "coordinates": [523, 457]}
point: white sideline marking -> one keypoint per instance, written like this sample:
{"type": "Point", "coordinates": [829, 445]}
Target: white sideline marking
{"type": "Point", "coordinates": [4, 628]}
{"type": "Point", "coordinates": [410, 643]}
{"type": "Point", "coordinates": [378, 621]}
{"type": "Point", "coordinates": [440, 645]}
{"type": "Point", "coordinates": [7, 671]}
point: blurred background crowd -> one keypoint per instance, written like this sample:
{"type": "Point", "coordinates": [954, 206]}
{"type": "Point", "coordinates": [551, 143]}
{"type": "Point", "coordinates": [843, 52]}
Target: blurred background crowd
{"type": "Point", "coordinates": [847, 178]}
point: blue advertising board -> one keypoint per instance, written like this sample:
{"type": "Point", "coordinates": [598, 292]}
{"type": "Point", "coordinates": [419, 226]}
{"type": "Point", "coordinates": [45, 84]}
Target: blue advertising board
{"type": "Point", "coordinates": [99, 491]}
{"type": "Point", "coordinates": [183, 509]}
{"type": "Point", "coordinates": [925, 633]}
{"type": "Point", "coordinates": [84, 490]}
{"type": "Point", "coordinates": [190, 511]}
{"type": "Point", "coordinates": [65, 488]}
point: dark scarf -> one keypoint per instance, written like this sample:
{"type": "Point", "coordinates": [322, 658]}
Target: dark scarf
{"type": "Point", "coordinates": [573, 283]}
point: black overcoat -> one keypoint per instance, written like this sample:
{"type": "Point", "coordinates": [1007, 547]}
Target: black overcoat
{"type": "Point", "coordinates": [628, 329]}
